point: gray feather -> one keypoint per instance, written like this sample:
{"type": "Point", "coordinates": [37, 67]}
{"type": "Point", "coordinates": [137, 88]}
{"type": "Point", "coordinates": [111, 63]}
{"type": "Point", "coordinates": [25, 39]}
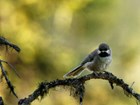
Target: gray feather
{"type": "Point", "coordinates": [80, 68]}
{"type": "Point", "coordinates": [89, 58]}
{"type": "Point", "coordinates": [74, 72]}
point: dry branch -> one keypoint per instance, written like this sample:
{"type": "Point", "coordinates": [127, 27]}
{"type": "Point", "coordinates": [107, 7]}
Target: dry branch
{"type": "Point", "coordinates": [77, 85]}
{"type": "Point", "coordinates": [1, 101]}
{"type": "Point", "coordinates": [6, 43]}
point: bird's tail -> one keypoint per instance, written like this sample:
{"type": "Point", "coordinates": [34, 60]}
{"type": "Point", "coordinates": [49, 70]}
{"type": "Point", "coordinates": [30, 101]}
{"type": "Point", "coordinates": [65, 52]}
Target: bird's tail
{"type": "Point", "coordinates": [74, 72]}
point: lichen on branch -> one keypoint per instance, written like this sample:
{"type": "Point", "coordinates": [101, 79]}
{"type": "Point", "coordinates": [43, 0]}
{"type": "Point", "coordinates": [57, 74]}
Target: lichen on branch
{"type": "Point", "coordinates": [77, 85]}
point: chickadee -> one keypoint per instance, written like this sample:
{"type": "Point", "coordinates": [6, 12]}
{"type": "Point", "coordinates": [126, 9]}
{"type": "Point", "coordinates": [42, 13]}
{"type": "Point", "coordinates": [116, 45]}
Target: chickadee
{"type": "Point", "coordinates": [98, 60]}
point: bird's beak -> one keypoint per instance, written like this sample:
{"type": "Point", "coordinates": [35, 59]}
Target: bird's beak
{"type": "Point", "coordinates": [99, 52]}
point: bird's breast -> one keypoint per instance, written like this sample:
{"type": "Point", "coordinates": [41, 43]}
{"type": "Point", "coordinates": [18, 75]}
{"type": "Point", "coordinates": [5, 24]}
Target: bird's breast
{"type": "Point", "coordinates": [105, 60]}
{"type": "Point", "coordinates": [99, 64]}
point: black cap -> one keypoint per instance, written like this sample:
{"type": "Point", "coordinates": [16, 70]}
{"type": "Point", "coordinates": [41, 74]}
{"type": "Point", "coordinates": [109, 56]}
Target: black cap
{"type": "Point", "coordinates": [103, 47]}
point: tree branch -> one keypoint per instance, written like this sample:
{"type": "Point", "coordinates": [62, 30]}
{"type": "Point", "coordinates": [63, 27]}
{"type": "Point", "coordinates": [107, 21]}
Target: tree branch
{"type": "Point", "coordinates": [5, 42]}
{"type": "Point", "coordinates": [1, 101]}
{"type": "Point", "coordinates": [77, 86]}
{"type": "Point", "coordinates": [10, 85]}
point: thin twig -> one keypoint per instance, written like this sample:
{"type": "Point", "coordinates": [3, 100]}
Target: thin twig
{"type": "Point", "coordinates": [1, 101]}
{"type": "Point", "coordinates": [5, 42]}
{"type": "Point", "coordinates": [7, 80]}
{"type": "Point", "coordinates": [11, 66]}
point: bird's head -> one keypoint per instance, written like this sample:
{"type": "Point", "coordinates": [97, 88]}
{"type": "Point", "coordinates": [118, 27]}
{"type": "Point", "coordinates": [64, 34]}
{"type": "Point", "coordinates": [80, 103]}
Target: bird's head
{"type": "Point", "coordinates": [104, 50]}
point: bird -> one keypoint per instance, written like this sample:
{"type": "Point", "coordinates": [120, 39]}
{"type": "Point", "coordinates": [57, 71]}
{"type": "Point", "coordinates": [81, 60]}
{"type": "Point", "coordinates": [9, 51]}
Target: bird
{"type": "Point", "coordinates": [97, 61]}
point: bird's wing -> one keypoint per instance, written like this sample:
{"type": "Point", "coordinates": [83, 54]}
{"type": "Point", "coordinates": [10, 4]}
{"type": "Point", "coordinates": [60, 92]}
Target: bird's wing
{"type": "Point", "coordinates": [74, 72]}
{"type": "Point", "coordinates": [80, 68]}
{"type": "Point", "coordinates": [90, 57]}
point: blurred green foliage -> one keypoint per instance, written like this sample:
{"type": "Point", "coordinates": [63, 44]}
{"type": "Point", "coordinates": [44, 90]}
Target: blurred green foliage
{"type": "Point", "coordinates": [55, 35]}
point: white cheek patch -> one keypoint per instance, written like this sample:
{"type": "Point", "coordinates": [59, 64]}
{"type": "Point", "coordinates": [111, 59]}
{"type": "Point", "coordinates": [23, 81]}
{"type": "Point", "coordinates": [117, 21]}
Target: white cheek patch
{"type": "Point", "coordinates": [98, 51]}
{"type": "Point", "coordinates": [108, 51]}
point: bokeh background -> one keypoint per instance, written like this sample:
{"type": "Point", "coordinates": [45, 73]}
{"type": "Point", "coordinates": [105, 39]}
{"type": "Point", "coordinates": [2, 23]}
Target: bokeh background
{"type": "Point", "coordinates": [55, 35]}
